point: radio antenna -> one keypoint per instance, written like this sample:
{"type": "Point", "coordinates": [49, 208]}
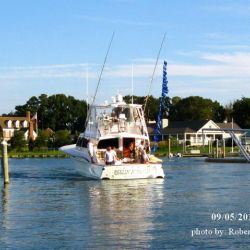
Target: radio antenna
{"type": "Point", "coordinates": [99, 80]}
{"type": "Point", "coordinates": [152, 77]}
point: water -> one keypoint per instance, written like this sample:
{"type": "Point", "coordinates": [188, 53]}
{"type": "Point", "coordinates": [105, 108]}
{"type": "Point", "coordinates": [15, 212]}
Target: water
{"type": "Point", "coordinates": [49, 206]}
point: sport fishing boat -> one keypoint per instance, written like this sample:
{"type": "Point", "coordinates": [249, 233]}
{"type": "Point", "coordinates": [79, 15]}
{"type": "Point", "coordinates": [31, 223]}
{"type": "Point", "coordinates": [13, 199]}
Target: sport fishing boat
{"type": "Point", "coordinates": [122, 127]}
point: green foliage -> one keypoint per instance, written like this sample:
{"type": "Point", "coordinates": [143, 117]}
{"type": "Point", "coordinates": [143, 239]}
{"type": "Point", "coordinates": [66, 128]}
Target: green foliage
{"type": "Point", "coordinates": [18, 142]}
{"type": "Point", "coordinates": [57, 112]}
{"type": "Point", "coordinates": [190, 108]}
{"type": "Point", "coordinates": [152, 107]}
{"type": "Point", "coordinates": [42, 140]}
{"type": "Point", "coordinates": [60, 112]}
{"type": "Point", "coordinates": [196, 108]}
{"type": "Point", "coordinates": [62, 137]}
{"type": "Point", "coordinates": [241, 112]}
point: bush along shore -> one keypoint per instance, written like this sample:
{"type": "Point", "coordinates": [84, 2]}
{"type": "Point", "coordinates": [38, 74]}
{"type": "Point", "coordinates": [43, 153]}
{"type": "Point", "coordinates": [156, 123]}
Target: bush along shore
{"type": "Point", "coordinates": [164, 150]}
{"type": "Point", "coordinates": [37, 154]}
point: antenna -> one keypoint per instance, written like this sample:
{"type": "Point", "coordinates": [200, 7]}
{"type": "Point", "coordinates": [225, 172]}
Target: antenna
{"type": "Point", "coordinates": [99, 79]}
{"type": "Point", "coordinates": [152, 78]}
{"type": "Point", "coordinates": [87, 87]}
{"type": "Point", "coordinates": [132, 83]}
{"type": "Point", "coordinates": [87, 83]}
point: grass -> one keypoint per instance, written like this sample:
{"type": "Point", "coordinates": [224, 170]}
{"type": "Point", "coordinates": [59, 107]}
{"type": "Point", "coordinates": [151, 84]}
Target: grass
{"type": "Point", "coordinates": [37, 154]}
{"type": "Point", "coordinates": [164, 150]}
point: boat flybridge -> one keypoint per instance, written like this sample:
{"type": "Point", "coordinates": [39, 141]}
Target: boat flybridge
{"type": "Point", "coordinates": [120, 126]}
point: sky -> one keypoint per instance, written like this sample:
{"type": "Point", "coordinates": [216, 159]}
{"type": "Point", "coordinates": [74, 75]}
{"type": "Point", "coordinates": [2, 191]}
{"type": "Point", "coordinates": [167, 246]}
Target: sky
{"type": "Point", "coordinates": [59, 46]}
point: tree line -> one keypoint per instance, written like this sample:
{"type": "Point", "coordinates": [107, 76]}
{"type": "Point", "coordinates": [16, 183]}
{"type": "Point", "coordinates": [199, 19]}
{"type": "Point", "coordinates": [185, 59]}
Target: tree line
{"type": "Point", "coordinates": [61, 112]}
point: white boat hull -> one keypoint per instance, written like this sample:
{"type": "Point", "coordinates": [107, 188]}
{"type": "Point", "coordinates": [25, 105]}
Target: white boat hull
{"type": "Point", "coordinates": [119, 172]}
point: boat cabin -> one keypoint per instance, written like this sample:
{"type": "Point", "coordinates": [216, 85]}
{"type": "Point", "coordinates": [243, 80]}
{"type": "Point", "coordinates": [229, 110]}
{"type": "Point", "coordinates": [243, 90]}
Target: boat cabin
{"type": "Point", "coordinates": [118, 125]}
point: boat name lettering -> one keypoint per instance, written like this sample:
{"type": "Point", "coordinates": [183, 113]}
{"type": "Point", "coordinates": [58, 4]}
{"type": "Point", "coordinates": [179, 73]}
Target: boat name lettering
{"type": "Point", "coordinates": [128, 171]}
{"type": "Point", "coordinates": [121, 172]}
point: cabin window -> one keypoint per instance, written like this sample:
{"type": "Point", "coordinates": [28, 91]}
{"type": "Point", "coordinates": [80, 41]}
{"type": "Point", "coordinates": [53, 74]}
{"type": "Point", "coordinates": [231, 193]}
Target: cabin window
{"type": "Point", "coordinates": [103, 144]}
{"type": "Point", "coordinates": [82, 142]}
{"type": "Point", "coordinates": [127, 141]}
{"type": "Point", "coordinates": [79, 142]}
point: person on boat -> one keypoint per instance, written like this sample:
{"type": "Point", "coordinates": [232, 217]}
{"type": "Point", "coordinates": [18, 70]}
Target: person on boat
{"type": "Point", "coordinates": [115, 154]}
{"type": "Point", "coordinates": [109, 157]}
{"type": "Point", "coordinates": [142, 153]}
{"type": "Point", "coordinates": [129, 152]}
{"type": "Point", "coordinates": [90, 147]}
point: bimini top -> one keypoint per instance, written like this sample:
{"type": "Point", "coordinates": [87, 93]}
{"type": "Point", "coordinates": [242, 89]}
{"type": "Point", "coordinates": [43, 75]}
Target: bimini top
{"type": "Point", "coordinates": [116, 118]}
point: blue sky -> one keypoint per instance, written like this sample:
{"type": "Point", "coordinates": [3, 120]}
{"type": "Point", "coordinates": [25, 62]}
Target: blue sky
{"type": "Point", "coordinates": [50, 46]}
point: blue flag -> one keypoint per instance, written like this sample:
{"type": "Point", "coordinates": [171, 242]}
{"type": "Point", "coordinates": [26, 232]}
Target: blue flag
{"type": "Point", "coordinates": [157, 130]}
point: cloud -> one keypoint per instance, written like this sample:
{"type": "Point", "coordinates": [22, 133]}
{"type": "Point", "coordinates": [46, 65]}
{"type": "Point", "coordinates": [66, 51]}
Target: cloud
{"type": "Point", "coordinates": [211, 66]}
{"type": "Point", "coordinates": [47, 71]}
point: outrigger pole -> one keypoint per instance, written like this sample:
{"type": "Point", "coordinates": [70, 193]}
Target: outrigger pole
{"type": "Point", "coordinates": [99, 80]}
{"type": "Point", "coordinates": [152, 77]}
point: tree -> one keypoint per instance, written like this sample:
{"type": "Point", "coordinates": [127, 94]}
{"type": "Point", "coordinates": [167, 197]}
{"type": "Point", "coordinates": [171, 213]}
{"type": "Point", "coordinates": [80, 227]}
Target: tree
{"type": "Point", "coordinates": [228, 111]}
{"type": "Point", "coordinates": [152, 107]}
{"type": "Point", "coordinates": [62, 138]}
{"type": "Point", "coordinates": [57, 112]}
{"type": "Point", "coordinates": [18, 141]}
{"type": "Point", "coordinates": [31, 105]}
{"type": "Point", "coordinates": [241, 112]}
{"type": "Point", "coordinates": [41, 141]}
{"type": "Point", "coordinates": [196, 108]}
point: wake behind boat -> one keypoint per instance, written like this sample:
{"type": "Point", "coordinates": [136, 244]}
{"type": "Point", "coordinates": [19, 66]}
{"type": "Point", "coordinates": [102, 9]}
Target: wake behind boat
{"type": "Point", "coordinates": [121, 127]}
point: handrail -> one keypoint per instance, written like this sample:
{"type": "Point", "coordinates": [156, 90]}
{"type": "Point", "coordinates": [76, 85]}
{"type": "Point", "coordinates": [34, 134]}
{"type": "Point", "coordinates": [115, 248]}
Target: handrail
{"type": "Point", "coordinates": [232, 131]}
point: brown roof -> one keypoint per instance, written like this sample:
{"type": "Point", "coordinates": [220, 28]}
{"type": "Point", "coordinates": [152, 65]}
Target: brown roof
{"type": "Point", "coordinates": [5, 119]}
{"type": "Point", "coordinates": [228, 125]}
{"type": "Point", "coordinates": [176, 127]}
{"type": "Point", "coordinates": [180, 127]}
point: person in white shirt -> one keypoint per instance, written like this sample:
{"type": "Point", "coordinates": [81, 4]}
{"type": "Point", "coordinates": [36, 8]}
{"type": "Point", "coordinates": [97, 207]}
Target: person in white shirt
{"type": "Point", "coordinates": [90, 147]}
{"type": "Point", "coordinates": [109, 157]}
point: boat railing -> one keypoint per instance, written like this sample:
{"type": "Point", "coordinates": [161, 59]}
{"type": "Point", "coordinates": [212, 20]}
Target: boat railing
{"type": "Point", "coordinates": [110, 126]}
{"type": "Point", "coordinates": [238, 142]}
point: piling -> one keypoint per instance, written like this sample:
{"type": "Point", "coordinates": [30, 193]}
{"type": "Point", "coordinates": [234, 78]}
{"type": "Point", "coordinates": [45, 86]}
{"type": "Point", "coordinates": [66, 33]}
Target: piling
{"type": "Point", "coordinates": [224, 148]}
{"type": "Point", "coordinates": [169, 147]}
{"type": "Point", "coordinates": [217, 148]}
{"type": "Point", "coordinates": [5, 163]}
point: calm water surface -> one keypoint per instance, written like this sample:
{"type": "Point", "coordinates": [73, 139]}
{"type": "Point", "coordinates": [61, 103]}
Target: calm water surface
{"type": "Point", "coordinates": [49, 206]}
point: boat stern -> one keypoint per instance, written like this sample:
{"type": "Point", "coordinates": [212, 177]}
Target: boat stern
{"type": "Point", "coordinates": [133, 171]}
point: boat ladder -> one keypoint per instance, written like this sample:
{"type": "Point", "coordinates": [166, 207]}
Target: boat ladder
{"type": "Point", "coordinates": [235, 139]}
{"type": "Point", "coordinates": [239, 144]}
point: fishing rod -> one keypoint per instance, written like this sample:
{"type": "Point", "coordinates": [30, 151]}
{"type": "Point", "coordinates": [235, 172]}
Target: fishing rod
{"type": "Point", "coordinates": [99, 80]}
{"type": "Point", "coordinates": [152, 78]}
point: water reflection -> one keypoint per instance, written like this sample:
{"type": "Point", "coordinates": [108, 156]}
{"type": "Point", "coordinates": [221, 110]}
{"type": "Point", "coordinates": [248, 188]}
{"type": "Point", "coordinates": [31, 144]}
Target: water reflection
{"type": "Point", "coordinates": [4, 212]}
{"type": "Point", "coordinates": [122, 211]}
{"type": "Point", "coordinates": [5, 198]}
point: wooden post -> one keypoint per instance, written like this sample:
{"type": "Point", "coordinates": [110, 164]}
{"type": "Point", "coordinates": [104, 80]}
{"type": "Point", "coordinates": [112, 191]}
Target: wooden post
{"type": "Point", "coordinates": [5, 164]}
{"type": "Point", "coordinates": [224, 148]}
{"type": "Point", "coordinates": [217, 149]}
{"type": "Point", "coordinates": [169, 147]}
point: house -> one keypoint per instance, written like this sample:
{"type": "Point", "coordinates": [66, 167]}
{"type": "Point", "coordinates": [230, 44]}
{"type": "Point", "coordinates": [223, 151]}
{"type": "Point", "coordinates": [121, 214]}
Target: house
{"type": "Point", "coordinates": [246, 139]}
{"type": "Point", "coordinates": [9, 124]}
{"type": "Point", "coordinates": [194, 132]}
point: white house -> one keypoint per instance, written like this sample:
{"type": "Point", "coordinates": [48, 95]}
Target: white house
{"type": "Point", "coordinates": [194, 133]}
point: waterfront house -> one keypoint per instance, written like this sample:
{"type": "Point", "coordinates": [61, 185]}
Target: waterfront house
{"type": "Point", "coordinates": [10, 124]}
{"type": "Point", "coordinates": [193, 133]}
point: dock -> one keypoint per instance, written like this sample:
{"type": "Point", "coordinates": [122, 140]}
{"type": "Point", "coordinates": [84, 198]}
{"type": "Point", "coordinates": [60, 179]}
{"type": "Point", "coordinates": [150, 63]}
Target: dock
{"type": "Point", "coordinates": [227, 160]}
